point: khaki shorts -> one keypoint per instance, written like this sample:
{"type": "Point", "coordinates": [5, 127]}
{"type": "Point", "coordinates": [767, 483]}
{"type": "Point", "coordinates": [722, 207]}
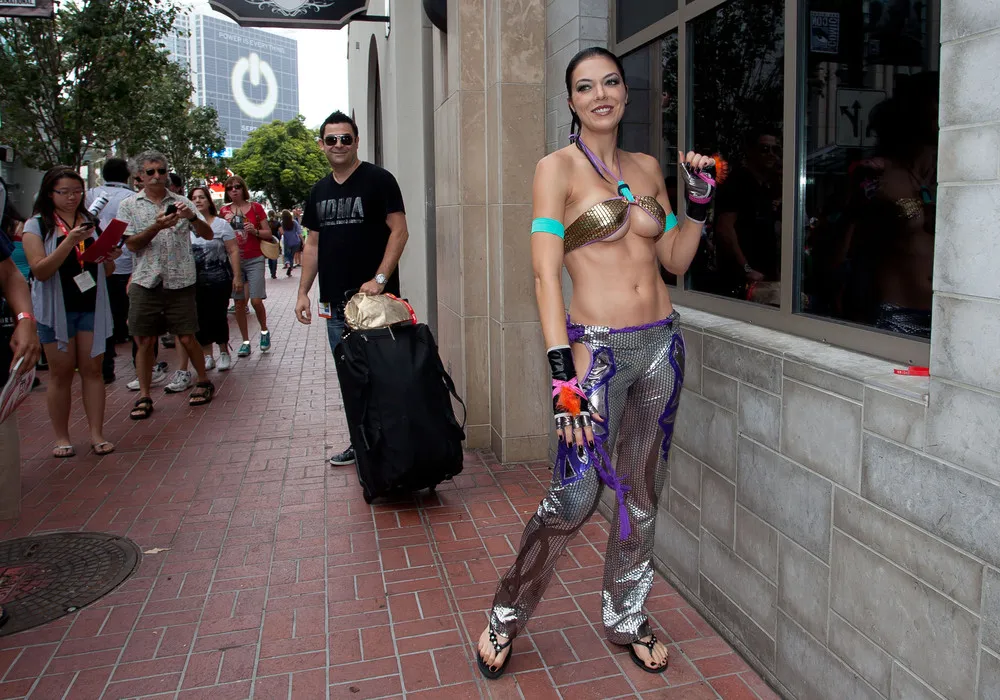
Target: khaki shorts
{"type": "Point", "coordinates": [153, 312]}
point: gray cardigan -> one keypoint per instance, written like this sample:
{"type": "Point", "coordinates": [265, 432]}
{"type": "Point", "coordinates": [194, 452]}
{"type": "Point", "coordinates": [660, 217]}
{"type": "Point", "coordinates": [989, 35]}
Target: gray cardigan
{"type": "Point", "coordinates": [47, 300]}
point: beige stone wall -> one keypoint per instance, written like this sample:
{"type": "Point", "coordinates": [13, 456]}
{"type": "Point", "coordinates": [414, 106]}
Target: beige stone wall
{"type": "Point", "coordinates": [489, 73]}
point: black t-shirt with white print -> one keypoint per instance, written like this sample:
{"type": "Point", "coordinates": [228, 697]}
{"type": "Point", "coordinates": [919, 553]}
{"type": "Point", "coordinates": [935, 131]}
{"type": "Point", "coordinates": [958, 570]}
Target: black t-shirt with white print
{"type": "Point", "coordinates": [353, 233]}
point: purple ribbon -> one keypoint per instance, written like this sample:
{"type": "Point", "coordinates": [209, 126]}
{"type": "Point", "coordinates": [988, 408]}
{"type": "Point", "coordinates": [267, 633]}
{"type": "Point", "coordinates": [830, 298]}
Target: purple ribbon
{"type": "Point", "coordinates": [610, 477]}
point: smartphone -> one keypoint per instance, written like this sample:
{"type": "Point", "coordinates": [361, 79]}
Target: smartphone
{"type": "Point", "coordinates": [171, 209]}
{"type": "Point", "coordinates": [87, 224]}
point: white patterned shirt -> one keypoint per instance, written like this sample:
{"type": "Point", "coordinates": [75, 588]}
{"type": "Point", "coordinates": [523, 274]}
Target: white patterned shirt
{"type": "Point", "coordinates": [168, 258]}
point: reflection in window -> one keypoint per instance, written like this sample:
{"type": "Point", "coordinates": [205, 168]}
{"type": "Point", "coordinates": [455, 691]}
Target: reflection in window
{"type": "Point", "coordinates": [871, 103]}
{"type": "Point", "coordinates": [650, 122]}
{"type": "Point", "coordinates": [635, 15]}
{"type": "Point", "coordinates": [668, 131]}
{"type": "Point", "coordinates": [737, 83]}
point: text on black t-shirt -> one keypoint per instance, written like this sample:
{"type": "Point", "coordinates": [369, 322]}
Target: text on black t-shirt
{"type": "Point", "coordinates": [353, 233]}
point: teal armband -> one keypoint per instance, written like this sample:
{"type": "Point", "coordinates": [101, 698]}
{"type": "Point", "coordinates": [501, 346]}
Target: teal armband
{"type": "Point", "coordinates": [670, 222]}
{"type": "Point", "coordinates": [552, 226]}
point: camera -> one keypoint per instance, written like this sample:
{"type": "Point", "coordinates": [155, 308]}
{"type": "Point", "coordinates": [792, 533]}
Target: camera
{"type": "Point", "coordinates": [171, 209]}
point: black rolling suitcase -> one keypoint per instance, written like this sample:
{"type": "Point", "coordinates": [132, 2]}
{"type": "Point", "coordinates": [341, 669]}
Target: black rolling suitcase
{"type": "Point", "coordinates": [397, 397]}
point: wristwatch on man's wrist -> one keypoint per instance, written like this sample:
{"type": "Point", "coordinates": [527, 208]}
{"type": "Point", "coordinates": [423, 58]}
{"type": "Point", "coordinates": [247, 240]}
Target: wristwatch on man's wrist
{"type": "Point", "coordinates": [381, 279]}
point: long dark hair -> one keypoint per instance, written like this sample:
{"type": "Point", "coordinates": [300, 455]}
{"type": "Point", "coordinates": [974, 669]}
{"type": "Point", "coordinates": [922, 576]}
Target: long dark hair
{"type": "Point", "coordinates": [211, 204]}
{"type": "Point", "coordinates": [46, 208]}
{"type": "Point", "coordinates": [575, 61]}
{"type": "Point", "coordinates": [287, 220]}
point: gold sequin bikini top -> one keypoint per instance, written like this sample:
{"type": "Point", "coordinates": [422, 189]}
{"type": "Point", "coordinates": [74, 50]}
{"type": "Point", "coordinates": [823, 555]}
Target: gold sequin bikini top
{"type": "Point", "coordinates": [608, 221]}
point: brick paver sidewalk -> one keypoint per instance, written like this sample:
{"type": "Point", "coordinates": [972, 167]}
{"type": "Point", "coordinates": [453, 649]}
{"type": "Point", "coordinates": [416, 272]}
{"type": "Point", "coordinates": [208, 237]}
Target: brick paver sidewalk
{"type": "Point", "coordinates": [276, 581]}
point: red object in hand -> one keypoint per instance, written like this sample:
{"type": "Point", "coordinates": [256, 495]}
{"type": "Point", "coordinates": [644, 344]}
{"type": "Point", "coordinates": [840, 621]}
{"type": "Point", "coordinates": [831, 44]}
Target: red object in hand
{"type": "Point", "coordinates": [568, 400]}
{"type": "Point", "coordinates": [914, 371]}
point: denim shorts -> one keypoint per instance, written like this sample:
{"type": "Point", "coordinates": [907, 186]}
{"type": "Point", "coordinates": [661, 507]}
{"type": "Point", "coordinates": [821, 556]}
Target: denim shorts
{"type": "Point", "coordinates": [76, 322]}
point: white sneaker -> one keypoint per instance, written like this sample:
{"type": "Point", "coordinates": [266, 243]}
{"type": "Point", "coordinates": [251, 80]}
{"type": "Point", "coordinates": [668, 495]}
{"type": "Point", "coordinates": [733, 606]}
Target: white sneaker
{"type": "Point", "coordinates": [159, 376]}
{"type": "Point", "coordinates": [180, 382]}
{"type": "Point", "coordinates": [225, 362]}
{"type": "Point", "coordinates": [209, 362]}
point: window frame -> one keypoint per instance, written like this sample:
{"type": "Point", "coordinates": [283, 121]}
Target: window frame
{"type": "Point", "coordinates": [786, 318]}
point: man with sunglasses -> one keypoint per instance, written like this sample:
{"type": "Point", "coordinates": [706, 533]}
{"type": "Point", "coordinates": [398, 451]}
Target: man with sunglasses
{"type": "Point", "coordinates": [748, 216]}
{"type": "Point", "coordinates": [357, 227]}
{"type": "Point", "coordinates": [162, 291]}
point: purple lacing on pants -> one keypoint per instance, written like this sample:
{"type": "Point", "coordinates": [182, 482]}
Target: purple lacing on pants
{"type": "Point", "coordinates": [669, 415]}
{"type": "Point", "coordinates": [576, 331]}
{"type": "Point", "coordinates": [566, 458]}
{"type": "Point", "coordinates": [610, 477]}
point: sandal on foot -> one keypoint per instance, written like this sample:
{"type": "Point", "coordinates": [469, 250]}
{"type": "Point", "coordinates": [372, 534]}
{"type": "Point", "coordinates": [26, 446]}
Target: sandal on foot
{"type": "Point", "coordinates": [142, 408]}
{"type": "Point", "coordinates": [642, 664]}
{"type": "Point", "coordinates": [202, 394]}
{"type": "Point", "coordinates": [103, 448]}
{"type": "Point", "coordinates": [497, 648]}
{"type": "Point", "coordinates": [63, 451]}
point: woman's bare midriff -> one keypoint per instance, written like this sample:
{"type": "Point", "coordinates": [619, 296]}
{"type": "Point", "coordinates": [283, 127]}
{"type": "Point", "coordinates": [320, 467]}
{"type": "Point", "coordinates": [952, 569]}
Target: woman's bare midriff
{"type": "Point", "coordinates": [617, 284]}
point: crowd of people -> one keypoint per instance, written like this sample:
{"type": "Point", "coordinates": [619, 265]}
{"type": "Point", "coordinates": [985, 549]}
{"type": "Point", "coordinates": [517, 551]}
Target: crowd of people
{"type": "Point", "coordinates": [168, 282]}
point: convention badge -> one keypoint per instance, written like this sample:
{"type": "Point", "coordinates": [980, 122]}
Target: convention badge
{"type": "Point", "coordinates": [324, 310]}
{"type": "Point", "coordinates": [85, 281]}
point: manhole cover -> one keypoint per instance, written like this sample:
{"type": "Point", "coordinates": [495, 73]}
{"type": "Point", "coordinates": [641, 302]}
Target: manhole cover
{"type": "Point", "coordinates": [45, 577]}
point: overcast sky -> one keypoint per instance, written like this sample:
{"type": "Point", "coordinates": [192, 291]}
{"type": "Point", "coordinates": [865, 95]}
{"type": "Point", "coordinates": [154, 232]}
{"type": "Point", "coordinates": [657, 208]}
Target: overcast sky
{"type": "Point", "coordinates": [322, 68]}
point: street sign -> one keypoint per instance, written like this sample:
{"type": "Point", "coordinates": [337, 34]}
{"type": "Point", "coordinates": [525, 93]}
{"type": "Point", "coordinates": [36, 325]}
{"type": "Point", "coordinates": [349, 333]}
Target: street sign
{"type": "Point", "coordinates": [292, 14]}
{"type": "Point", "coordinates": [26, 8]}
{"type": "Point", "coordinates": [854, 117]}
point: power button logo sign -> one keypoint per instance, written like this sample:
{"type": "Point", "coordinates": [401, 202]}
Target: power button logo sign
{"type": "Point", "coordinates": [256, 70]}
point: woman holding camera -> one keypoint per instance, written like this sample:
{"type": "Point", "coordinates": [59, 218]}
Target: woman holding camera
{"type": "Point", "coordinates": [249, 221]}
{"type": "Point", "coordinates": [70, 298]}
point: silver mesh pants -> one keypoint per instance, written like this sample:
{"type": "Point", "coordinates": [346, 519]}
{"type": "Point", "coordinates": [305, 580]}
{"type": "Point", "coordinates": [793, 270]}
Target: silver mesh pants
{"type": "Point", "coordinates": [634, 383]}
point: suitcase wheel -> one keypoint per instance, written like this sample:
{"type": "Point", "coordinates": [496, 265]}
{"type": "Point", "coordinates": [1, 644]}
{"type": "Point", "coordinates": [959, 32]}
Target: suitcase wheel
{"type": "Point", "coordinates": [368, 499]}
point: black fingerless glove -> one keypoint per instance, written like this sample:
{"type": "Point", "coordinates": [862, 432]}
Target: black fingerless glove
{"type": "Point", "coordinates": [568, 399]}
{"type": "Point", "coordinates": [700, 185]}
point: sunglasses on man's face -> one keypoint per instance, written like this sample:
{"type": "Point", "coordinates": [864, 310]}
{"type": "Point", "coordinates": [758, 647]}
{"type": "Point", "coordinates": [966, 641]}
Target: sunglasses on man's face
{"type": "Point", "coordinates": [331, 139]}
{"type": "Point", "coordinates": [156, 171]}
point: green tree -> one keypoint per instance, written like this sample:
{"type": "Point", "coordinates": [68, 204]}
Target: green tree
{"type": "Point", "coordinates": [282, 160]}
{"type": "Point", "coordinates": [168, 122]}
{"type": "Point", "coordinates": [82, 80]}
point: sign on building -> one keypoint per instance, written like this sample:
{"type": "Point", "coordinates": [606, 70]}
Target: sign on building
{"type": "Point", "coordinates": [854, 109]}
{"type": "Point", "coordinates": [824, 32]}
{"type": "Point", "coordinates": [26, 8]}
{"type": "Point", "coordinates": [294, 14]}
{"type": "Point", "coordinates": [250, 77]}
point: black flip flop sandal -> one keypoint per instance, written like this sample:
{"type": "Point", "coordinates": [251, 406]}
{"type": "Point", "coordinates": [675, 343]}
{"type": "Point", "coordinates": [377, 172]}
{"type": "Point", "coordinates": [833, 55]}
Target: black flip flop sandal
{"type": "Point", "coordinates": [497, 648]}
{"type": "Point", "coordinates": [206, 391]}
{"type": "Point", "coordinates": [642, 664]}
{"type": "Point", "coordinates": [142, 409]}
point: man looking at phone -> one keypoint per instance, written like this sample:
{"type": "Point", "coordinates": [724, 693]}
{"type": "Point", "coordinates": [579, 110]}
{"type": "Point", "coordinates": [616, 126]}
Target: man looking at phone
{"type": "Point", "coordinates": [162, 292]}
{"type": "Point", "coordinates": [359, 223]}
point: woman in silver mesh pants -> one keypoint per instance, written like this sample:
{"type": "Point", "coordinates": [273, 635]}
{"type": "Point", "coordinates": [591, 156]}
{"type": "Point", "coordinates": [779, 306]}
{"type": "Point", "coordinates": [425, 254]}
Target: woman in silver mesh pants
{"type": "Point", "coordinates": [625, 335]}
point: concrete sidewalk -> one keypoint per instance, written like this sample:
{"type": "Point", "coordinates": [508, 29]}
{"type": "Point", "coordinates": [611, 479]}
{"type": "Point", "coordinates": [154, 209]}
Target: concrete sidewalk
{"type": "Point", "coordinates": [275, 580]}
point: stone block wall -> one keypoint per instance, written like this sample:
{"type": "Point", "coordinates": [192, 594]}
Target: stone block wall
{"type": "Point", "coordinates": [808, 514]}
{"type": "Point", "coordinates": [571, 25]}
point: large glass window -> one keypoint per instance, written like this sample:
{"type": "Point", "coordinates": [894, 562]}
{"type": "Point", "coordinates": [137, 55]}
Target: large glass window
{"type": "Point", "coordinates": [855, 232]}
{"type": "Point", "coordinates": [737, 89]}
{"type": "Point", "coordinates": [869, 87]}
{"type": "Point", "coordinates": [650, 122]}
{"type": "Point", "coordinates": [635, 15]}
